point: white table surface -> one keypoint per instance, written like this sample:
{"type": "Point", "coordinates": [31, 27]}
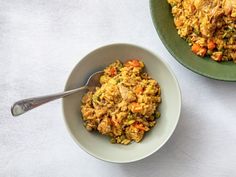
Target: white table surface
{"type": "Point", "coordinates": [40, 43]}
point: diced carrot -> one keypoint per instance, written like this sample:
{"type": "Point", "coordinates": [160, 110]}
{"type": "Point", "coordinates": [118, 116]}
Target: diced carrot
{"type": "Point", "coordinates": [134, 63]}
{"type": "Point", "coordinates": [141, 126]}
{"type": "Point", "coordinates": [138, 89]}
{"type": "Point", "coordinates": [211, 45]}
{"type": "Point", "coordinates": [202, 52]}
{"type": "Point", "coordinates": [197, 49]}
{"type": "Point", "coordinates": [112, 71]}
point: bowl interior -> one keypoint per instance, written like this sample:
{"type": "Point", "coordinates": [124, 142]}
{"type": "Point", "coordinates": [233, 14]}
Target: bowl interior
{"type": "Point", "coordinates": [99, 146]}
{"type": "Point", "coordinates": [163, 22]}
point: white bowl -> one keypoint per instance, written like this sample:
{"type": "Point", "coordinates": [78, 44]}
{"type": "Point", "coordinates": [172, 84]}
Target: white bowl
{"type": "Point", "coordinates": [98, 145]}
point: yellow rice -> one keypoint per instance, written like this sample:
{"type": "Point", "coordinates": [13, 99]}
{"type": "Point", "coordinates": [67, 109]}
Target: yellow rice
{"type": "Point", "coordinates": [126, 104]}
{"type": "Point", "coordinates": [209, 26]}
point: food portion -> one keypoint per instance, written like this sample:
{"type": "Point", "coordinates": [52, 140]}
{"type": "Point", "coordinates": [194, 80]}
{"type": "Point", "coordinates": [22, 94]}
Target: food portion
{"type": "Point", "coordinates": [209, 26]}
{"type": "Point", "coordinates": [125, 107]}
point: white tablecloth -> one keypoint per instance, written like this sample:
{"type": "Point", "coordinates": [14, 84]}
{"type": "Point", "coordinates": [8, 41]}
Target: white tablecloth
{"type": "Point", "coordinates": [40, 43]}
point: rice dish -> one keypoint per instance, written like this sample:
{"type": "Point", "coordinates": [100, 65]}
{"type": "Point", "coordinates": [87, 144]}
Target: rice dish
{"type": "Point", "coordinates": [209, 26]}
{"type": "Point", "coordinates": [125, 107]}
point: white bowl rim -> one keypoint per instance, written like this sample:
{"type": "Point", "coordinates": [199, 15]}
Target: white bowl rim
{"type": "Point", "coordinates": [170, 133]}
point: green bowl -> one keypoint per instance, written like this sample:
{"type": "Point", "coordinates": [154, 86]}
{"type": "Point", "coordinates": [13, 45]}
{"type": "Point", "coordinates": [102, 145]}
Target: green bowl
{"type": "Point", "coordinates": [180, 50]}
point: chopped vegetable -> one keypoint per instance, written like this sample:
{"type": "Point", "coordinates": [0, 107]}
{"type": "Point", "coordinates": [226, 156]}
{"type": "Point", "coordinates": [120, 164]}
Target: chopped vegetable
{"type": "Point", "coordinates": [141, 127]}
{"type": "Point", "coordinates": [158, 114]}
{"type": "Point", "coordinates": [139, 89]}
{"type": "Point", "coordinates": [134, 63]}
{"type": "Point", "coordinates": [112, 71]}
{"type": "Point", "coordinates": [211, 45]}
{"type": "Point", "coordinates": [197, 49]}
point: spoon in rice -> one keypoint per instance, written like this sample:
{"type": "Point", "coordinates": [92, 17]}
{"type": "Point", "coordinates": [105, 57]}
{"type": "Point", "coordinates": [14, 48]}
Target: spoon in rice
{"type": "Point", "coordinates": [22, 106]}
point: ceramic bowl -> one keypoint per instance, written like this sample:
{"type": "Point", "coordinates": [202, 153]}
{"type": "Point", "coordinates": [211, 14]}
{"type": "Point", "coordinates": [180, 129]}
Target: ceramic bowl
{"type": "Point", "coordinates": [181, 51]}
{"type": "Point", "coordinates": [99, 146]}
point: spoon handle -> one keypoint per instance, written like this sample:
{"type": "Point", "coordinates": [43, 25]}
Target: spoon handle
{"type": "Point", "coordinates": [22, 106]}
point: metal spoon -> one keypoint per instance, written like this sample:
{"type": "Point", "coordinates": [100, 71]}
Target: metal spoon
{"type": "Point", "coordinates": [22, 106]}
